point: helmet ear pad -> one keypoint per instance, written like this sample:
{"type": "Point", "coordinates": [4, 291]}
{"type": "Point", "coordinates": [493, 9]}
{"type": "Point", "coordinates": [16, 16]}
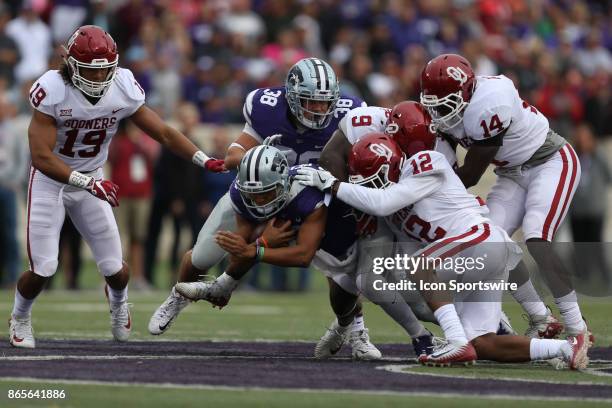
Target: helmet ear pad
{"type": "Point", "coordinates": [312, 91]}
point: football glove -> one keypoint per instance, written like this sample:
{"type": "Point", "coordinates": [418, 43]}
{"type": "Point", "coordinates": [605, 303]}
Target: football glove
{"type": "Point", "coordinates": [318, 178]}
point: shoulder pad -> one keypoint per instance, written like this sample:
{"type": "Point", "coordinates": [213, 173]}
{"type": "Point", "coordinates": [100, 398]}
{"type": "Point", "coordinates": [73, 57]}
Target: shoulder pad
{"type": "Point", "coordinates": [127, 83]}
{"type": "Point", "coordinates": [47, 91]}
{"type": "Point", "coordinates": [426, 163]}
{"type": "Point", "coordinates": [247, 109]}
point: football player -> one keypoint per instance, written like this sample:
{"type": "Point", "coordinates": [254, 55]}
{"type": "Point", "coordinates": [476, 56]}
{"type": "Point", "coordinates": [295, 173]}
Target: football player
{"type": "Point", "coordinates": [537, 174]}
{"type": "Point", "coordinates": [264, 191]}
{"type": "Point", "coordinates": [425, 188]}
{"type": "Point", "coordinates": [76, 113]}
{"type": "Point", "coordinates": [406, 311]}
{"type": "Point", "coordinates": [299, 119]}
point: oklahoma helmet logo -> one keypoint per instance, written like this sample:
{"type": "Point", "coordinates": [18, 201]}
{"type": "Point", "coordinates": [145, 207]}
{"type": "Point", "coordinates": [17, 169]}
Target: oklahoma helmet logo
{"type": "Point", "coordinates": [391, 129]}
{"type": "Point", "coordinates": [457, 74]}
{"type": "Point", "coordinates": [381, 150]}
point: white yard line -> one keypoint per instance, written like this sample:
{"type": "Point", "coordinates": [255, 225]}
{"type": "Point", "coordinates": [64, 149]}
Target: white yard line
{"type": "Point", "coordinates": [402, 369]}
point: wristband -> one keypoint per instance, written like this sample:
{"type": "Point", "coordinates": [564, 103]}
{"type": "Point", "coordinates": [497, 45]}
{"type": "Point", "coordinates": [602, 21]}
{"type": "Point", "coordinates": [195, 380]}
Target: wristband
{"type": "Point", "coordinates": [200, 158]}
{"type": "Point", "coordinates": [79, 180]}
{"type": "Point", "coordinates": [257, 246]}
{"type": "Point", "coordinates": [264, 242]}
{"type": "Point", "coordinates": [260, 253]}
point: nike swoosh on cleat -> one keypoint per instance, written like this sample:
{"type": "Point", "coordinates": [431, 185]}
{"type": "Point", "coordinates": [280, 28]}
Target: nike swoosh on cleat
{"type": "Point", "coordinates": [17, 339]}
{"type": "Point", "coordinates": [129, 323]}
{"type": "Point", "coordinates": [163, 327]}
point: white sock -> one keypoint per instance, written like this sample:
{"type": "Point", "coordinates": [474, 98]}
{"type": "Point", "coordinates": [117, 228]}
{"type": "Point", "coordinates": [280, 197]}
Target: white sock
{"type": "Point", "coordinates": [117, 297]}
{"type": "Point", "coordinates": [358, 323]}
{"type": "Point", "coordinates": [22, 306]}
{"type": "Point", "coordinates": [545, 349]}
{"type": "Point", "coordinates": [569, 309]}
{"type": "Point", "coordinates": [227, 281]}
{"type": "Point", "coordinates": [529, 299]}
{"type": "Point", "coordinates": [450, 324]}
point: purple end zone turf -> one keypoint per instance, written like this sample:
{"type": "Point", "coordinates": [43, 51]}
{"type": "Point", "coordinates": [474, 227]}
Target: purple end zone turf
{"type": "Point", "coordinates": [247, 364]}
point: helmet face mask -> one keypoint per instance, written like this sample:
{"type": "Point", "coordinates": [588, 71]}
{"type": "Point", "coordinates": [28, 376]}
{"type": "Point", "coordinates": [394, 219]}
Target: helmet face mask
{"type": "Point", "coordinates": [446, 112]}
{"type": "Point", "coordinates": [378, 180]}
{"type": "Point", "coordinates": [263, 181]}
{"type": "Point", "coordinates": [312, 92]}
{"type": "Point", "coordinates": [90, 48]}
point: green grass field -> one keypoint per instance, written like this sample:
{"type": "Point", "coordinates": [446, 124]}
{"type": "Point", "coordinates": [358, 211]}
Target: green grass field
{"type": "Point", "coordinates": [60, 314]}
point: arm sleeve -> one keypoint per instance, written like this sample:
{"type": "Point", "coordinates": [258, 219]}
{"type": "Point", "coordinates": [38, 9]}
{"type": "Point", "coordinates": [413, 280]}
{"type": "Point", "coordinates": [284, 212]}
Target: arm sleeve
{"type": "Point", "coordinates": [384, 202]}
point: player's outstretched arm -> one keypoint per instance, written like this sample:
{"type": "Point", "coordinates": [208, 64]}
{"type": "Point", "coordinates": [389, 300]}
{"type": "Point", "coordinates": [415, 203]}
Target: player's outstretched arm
{"type": "Point", "coordinates": [150, 123]}
{"type": "Point", "coordinates": [335, 155]}
{"type": "Point", "coordinates": [237, 150]}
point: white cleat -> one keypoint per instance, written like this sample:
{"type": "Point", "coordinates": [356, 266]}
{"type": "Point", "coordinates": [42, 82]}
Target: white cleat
{"type": "Point", "coordinates": [165, 314]}
{"type": "Point", "coordinates": [543, 327]}
{"type": "Point", "coordinates": [210, 291]}
{"type": "Point", "coordinates": [446, 354]}
{"type": "Point", "coordinates": [332, 341]}
{"type": "Point", "coordinates": [363, 349]}
{"type": "Point", "coordinates": [121, 322]}
{"type": "Point", "coordinates": [21, 333]}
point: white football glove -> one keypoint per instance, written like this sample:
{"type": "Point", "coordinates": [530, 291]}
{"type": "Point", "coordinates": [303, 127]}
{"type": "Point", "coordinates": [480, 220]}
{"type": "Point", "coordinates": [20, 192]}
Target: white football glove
{"type": "Point", "coordinates": [318, 178]}
{"type": "Point", "coordinates": [272, 140]}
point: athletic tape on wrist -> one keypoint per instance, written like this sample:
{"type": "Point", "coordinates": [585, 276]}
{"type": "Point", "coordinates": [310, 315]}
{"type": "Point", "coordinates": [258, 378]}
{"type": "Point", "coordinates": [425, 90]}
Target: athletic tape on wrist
{"type": "Point", "coordinates": [79, 179]}
{"type": "Point", "coordinates": [200, 158]}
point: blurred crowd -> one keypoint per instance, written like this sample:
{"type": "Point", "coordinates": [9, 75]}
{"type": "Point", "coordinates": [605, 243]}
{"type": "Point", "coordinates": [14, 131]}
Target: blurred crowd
{"type": "Point", "coordinates": [197, 60]}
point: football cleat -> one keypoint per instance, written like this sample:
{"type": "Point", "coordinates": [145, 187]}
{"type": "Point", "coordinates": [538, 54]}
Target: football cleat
{"type": "Point", "coordinates": [505, 328]}
{"type": "Point", "coordinates": [165, 314]}
{"type": "Point", "coordinates": [423, 344]}
{"type": "Point", "coordinates": [332, 341]}
{"type": "Point", "coordinates": [210, 291]}
{"type": "Point", "coordinates": [543, 327]}
{"type": "Point", "coordinates": [590, 335]}
{"type": "Point", "coordinates": [121, 321]}
{"type": "Point", "coordinates": [21, 333]}
{"type": "Point", "coordinates": [446, 354]}
{"type": "Point", "coordinates": [363, 349]}
{"type": "Point", "coordinates": [576, 355]}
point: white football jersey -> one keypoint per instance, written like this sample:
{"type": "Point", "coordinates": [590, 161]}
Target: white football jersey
{"type": "Point", "coordinates": [449, 210]}
{"type": "Point", "coordinates": [494, 107]}
{"type": "Point", "coordinates": [373, 119]}
{"type": "Point", "coordinates": [84, 130]}
{"type": "Point", "coordinates": [428, 202]}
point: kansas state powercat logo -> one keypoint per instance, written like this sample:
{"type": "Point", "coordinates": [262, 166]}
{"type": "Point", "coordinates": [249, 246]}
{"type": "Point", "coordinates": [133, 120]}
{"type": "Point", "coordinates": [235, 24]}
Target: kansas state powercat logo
{"type": "Point", "coordinates": [381, 150]}
{"type": "Point", "coordinates": [457, 74]}
{"type": "Point", "coordinates": [65, 112]}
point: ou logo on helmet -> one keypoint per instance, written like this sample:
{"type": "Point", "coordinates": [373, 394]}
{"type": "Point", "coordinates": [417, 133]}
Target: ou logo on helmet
{"type": "Point", "coordinates": [381, 150]}
{"type": "Point", "coordinates": [457, 74]}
